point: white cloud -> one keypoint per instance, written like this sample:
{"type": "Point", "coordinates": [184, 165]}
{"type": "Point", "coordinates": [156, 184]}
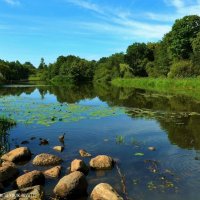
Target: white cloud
{"type": "Point", "coordinates": [185, 7]}
{"type": "Point", "coordinates": [118, 22]}
{"type": "Point", "coordinates": [12, 2]}
{"type": "Point", "coordinates": [182, 8]}
{"type": "Point", "coordinates": [86, 4]}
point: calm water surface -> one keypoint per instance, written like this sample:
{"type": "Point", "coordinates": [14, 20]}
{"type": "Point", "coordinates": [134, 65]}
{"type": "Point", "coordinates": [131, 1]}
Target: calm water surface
{"type": "Point", "coordinates": [94, 117]}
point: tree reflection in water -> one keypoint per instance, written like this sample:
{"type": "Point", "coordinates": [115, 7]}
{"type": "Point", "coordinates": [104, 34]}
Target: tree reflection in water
{"type": "Point", "coordinates": [177, 115]}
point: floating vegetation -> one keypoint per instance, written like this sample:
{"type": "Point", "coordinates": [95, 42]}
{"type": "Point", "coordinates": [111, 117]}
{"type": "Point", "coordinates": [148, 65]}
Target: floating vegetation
{"type": "Point", "coordinates": [168, 116]}
{"type": "Point", "coordinates": [120, 139]}
{"type": "Point", "coordinates": [139, 154]}
{"type": "Point", "coordinates": [151, 185]}
{"type": "Point", "coordinates": [35, 111]}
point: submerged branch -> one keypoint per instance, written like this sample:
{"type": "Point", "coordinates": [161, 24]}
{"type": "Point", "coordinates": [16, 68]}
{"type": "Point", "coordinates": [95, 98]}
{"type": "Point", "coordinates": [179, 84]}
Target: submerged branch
{"type": "Point", "coordinates": [123, 182]}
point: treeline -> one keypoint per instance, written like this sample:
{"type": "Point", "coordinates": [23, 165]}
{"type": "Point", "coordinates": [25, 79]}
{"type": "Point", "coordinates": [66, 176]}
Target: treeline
{"type": "Point", "coordinates": [177, 55]}
{"type": "Point", "coordinates": [11, 71]}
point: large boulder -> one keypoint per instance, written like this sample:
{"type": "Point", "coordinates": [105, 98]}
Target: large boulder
{"type": "Point", "coordinates": [18, 154]}
{"type": "Point", "coordinates": [104, 191]}
{"type": "Point", "coordinates": [71, 186]}
{"type": "Point", "coordinates": [8, 171]}
{"type": "Point", "coordinates": [53, 172]}
{"type": "Point", "coordinates": [30, 179]}
{"type": "Point", "coordinates": [101, 162]}
{"type": "Point", "coordinates": [79, 165]}
{"type": "Point", "coordinates": [31, 193]}
{"type": "Point", "coordinates": [46, 159]}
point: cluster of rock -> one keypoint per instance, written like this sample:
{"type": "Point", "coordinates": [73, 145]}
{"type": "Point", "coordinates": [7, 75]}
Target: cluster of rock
{"type": "Point", "coordinates": [70, 186]}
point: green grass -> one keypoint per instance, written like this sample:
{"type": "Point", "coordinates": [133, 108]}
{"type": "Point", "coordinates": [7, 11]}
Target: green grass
{"type": "Point", "coordinates": [34, 78]}
{"type": "Point", "coordinates": [189, 86]}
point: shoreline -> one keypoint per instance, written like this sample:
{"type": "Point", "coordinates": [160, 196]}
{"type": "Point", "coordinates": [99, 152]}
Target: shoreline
{"type": "Point", "coordinates": [188, 87]}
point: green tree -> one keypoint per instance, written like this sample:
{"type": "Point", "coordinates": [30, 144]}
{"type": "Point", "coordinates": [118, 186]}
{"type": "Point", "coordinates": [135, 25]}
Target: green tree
{"type": "Point", "coordinates": [137, 56]}
{"type": "Point", "coordinates": [181, 36]}
{"type": "Point", "coordinates": [196, 53]}
{"type": "Point", "coordinates": [42, 64]}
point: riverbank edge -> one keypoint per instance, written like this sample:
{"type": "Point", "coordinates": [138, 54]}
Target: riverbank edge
{"type": "Point", "coordinates": [188, 86]}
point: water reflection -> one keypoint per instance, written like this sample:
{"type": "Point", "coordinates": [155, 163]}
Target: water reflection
{"type": "Point", "coordinates": [177, 115]}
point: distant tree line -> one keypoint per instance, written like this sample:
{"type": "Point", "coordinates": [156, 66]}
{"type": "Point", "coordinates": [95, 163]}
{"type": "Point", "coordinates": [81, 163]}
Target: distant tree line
{"type": "Point", "coordinates": [11, 71]}
{"type": "Point", "coordinates": [177, 55]}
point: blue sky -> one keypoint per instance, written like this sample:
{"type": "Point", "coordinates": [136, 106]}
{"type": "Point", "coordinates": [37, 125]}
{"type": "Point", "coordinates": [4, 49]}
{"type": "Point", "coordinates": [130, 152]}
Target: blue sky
{"type": "Point", "coordinates": [31, 29]}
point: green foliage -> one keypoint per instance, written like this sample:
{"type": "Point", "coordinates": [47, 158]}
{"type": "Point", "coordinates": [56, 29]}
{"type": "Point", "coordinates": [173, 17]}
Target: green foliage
{"type": "Point", "coordinates": [71, 68]}
{"type": "Point", "coordinates": [162, 62]}
{"type": "Point", "coordinates": [126, 71]}
{"type": "Point", "coordinates": [187, 86]}
{"type": "Point", "coordinates": [180, 37]}
{"type": "Point", "coordinates": [108, 68]}
{"type": "Point", "coordinates": [182, 69]}
{"type": "Point", "coordinates": [6, 124]}
{"type": "Point", "coordinates": [196, 53]}
{"type": "Point", "coordinates": [15, 70]}
{"type": "Point", "coordinates": [137, 56]}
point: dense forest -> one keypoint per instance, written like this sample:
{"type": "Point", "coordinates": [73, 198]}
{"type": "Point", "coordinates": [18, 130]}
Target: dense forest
{"type": "Point", "coordinates": [177, 55]}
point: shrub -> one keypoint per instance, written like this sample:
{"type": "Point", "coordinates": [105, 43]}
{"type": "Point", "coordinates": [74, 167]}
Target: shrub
{"type": "Point", "coordinates": [182, 69]}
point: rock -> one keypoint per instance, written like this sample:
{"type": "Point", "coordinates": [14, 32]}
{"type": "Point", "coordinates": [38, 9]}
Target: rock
{"type": "Point", "coordinates": [104, 191]}
{"type": "Point", "coordinates": [61, 138]}
{"type": "Point", "coordinates": [71, 186]}
{"type": "Point", "coordinates": [6, 163]}
{"type": "Point", "coordinates": [33, 138]}
{"type": "Point", "coordinates": [18, 154]}
{"type": "Point", "coordinates": [30, 179]}
{"type": "Point", "coordinates": [151, 148]}
{"type": "Point", "coordinates": [44, 141]}
{"type": "Point", "coordinates": [8, 171]}
{"type": "Point", "coordinates": [83, 153]}
{"type": "Point", "coordinates": [1, 188]}
{"type": "Point", "coordinates": [101, 162]}
{"type": "Point", "coordinates": [30, 193]}
{"type": "Point", "coordinates": [53, 172]}
{"type": "Point", "coordinates": [79, 165]}
{"type": "Point", "coordinates": [25, 142]}
{"type": "Point", "coordinates": [59, 148]}
{"type": "Point", "coordinates": [45, 159]}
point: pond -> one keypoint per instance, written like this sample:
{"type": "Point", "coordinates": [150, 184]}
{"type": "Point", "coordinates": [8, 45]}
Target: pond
{"type": "Point", "coordinates": [121, 123]}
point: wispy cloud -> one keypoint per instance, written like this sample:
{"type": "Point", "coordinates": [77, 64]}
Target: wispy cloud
{"type": "Point", "coordinates": [181, 8]}
{"type": "Point", "coordinates": [179, 4]}
{"type": "Point", "coordinates": [86, 4]}
{"type": "Point", "coordinates": [119, 22]}
{"type": "Point", "coordinates": [12, 2]}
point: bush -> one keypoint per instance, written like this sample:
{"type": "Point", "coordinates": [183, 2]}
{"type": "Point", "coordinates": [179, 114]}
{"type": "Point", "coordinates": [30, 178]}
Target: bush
{"type": "Point", "coordinates": [182, 69]}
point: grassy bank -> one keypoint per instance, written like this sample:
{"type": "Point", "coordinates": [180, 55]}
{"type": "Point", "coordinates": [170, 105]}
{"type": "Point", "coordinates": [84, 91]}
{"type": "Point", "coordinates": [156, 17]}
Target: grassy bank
{"type": "Point", "coordinates": [189, 87]}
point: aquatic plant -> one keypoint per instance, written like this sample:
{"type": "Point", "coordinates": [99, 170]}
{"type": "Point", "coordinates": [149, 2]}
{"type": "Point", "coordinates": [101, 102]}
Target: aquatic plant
{"type": "Point", "coordinates": [35, 111]}
{"type": "Point", "coordinates": [139, 154]}
{"type": "Point", "coordinates": [5, 125]}
{"type": "Point", "coordinates": [120, 139]}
